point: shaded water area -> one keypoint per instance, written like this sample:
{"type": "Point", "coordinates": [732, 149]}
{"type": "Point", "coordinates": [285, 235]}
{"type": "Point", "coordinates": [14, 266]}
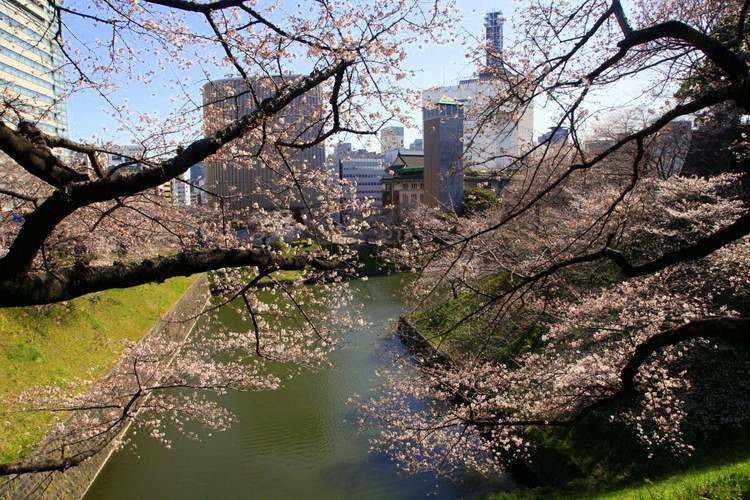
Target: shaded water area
{"type": "Point", "coordinates": [297, 442]}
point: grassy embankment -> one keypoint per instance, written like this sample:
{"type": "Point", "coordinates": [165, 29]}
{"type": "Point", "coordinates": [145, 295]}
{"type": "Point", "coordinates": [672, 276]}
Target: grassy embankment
{"type": "Point", "coordinates": [726, 482]}
{"type": "Point", "coordinates": [727, 479]}
{"type": "Point", "coordinates": [450, 326]}
{"type": "Point", "coordinates": [82, 338]}
{"type": "Point", "coordinates": [599, 461]}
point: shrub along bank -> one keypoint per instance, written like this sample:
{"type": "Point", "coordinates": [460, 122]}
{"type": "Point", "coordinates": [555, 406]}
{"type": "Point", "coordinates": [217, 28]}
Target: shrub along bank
{"type": "Point", "coordinates": [81, 338]}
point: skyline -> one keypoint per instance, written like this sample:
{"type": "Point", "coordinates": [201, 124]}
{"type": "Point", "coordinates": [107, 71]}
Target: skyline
{"type": "Point", "coordinates": [431, 71]}
{"type": "Point", "coordinates": [196, 302]}
{"type": "Point", "coordinates": [434, 66]}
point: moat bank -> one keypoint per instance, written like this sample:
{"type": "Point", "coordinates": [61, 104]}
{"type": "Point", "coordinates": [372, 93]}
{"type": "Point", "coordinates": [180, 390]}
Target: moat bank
{"type": "Point", "coordinates": [174, 324]}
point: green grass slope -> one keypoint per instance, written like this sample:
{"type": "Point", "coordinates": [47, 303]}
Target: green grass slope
{"type": "Point", "coordinates": [720, 482]}
{"type": "Point", "coordinates": [82, 338]}
{"type": "Point", "coordinates": [727, 482]}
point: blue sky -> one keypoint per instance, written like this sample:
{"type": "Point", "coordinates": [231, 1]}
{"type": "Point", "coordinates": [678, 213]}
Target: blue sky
{"type": "Point", "coordinates": [434, 65]}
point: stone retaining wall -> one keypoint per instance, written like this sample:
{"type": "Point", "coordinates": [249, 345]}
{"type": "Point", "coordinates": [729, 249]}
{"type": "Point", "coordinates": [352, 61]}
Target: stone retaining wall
{"type": "Point", "coordinates": [74, 482]}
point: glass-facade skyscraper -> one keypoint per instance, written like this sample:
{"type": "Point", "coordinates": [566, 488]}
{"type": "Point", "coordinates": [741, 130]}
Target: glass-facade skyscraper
{"type": "Point", "coordinates": [237, 171]}
{"type": "Point", "coordinates": [31, 76]}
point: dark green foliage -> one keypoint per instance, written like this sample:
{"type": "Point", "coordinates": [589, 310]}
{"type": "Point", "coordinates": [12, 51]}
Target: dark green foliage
{"type": "Point", "coordinates": [478, 200]}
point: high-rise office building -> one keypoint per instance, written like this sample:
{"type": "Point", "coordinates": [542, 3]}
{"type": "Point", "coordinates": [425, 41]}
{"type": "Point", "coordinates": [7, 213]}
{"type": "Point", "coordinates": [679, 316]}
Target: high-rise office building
{"type": "Point", "coordinates": [391, 138]}
{"type": "Point", "coordinates": [555, 135]}
{"type": "Point", "coordinates": [124, 158]}
{"type": "Point", "coordinates": [197, 171]}
{"type": "Point", "coordinates": [236, 172]}
{"type": "Point", "coordinates": [365, 169]}
{"type": "Point", "coordinates": [198, 182]}
{"type": "Point", "coordinates": [490, 143]}
{"type": "Point", "coordinates": [493, 33]}
{"type": "Point", "coordinates": [342, 150]}
{"type": "Point", "coordinates": [417, 145]}
{"type": "Point", "coordinates": [367, 174]}
{"type": "Point", "coordinates": [31, 75]}
{"type": "Point", "coordinates": [443, 150]}
{"type": "Point", "coordinates": [181, 190]}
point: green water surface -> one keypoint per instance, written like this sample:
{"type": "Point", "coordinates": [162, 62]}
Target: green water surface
{"type": "Point", "coordinates": [299, 442]}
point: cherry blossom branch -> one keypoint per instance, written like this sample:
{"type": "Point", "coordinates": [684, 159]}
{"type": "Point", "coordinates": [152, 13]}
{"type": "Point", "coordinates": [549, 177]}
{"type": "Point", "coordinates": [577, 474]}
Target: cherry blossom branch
{"type": "Point", "coordinates": [735, 331]}
{"type": "Point", "coordinates": [34, 288]}
{"type": "Point", "coordinates": [739, 91]}
{"type": "Point", "coordinates": [41, 162]}
{"type": "Point", "coordinates": [37, 159]}
{"type": "Point", "coordinates": [47, 465]}
{"type": "Point", "coordinates": [700, 249]}
{"type": "Point", "coordinates": [20, 196]}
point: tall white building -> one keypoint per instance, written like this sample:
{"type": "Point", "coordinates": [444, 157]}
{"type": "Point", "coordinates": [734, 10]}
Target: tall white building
{"type": "Point", "coordinates": [490, 142]}
{"type": "Point", "coordinates": [365, 169]}
{"type": "Point", "coordinates": [367, 174]}
{"type": "Point", "coordinates": [181, 191]}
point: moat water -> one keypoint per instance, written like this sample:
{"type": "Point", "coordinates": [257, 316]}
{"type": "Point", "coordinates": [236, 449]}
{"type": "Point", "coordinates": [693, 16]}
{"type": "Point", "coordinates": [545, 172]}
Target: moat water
{"type": "Point", "coordinates": [299, 442]}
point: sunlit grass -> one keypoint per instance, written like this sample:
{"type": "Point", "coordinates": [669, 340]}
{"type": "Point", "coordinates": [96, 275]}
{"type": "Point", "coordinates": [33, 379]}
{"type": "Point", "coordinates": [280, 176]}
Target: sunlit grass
{"type": "Point", "coordinates": [721, 482]}
{"type": "Point", "coordinates": [81, 338]}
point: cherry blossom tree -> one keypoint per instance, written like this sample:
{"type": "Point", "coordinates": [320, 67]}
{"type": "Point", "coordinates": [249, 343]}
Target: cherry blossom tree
{"type": "Point", "coordinates": [72, 225]}
{"type": "Point", "coordinates": [620, 286]}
